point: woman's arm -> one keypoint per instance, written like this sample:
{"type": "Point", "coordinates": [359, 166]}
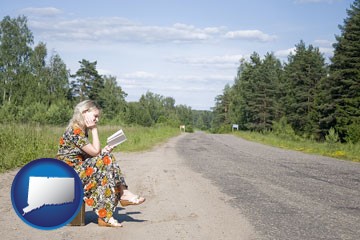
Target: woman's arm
{"type": "Point", "coordinates": [93, 149]}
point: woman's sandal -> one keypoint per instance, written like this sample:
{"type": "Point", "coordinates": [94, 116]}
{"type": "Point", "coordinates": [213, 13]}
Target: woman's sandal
{"type": "Point", "coordinates": [112, 223]}
{"type": "Point", "coordinates": [136, 200]}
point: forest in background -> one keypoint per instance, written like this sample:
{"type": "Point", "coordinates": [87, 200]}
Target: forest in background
{"type": "Point", "coordinates": [305, 96]}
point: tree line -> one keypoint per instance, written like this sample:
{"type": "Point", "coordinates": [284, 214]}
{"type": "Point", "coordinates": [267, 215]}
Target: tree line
{"type": "Point", "coordinates": [305, 93]}
{"type": "Point", "coordinates": [40, 89]}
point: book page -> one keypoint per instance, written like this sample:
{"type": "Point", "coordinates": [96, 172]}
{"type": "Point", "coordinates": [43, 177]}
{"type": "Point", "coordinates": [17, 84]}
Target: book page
{"type": "Point", "coordinates": [116, 139]}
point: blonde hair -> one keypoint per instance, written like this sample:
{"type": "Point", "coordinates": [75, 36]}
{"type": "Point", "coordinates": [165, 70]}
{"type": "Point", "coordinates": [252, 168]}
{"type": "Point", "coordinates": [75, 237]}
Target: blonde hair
{"type": "Point", "coordinates": [77, 118]}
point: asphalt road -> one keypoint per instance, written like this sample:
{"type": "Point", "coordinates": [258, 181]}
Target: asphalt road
{"type": "Point", "coordinates": [284, 194]}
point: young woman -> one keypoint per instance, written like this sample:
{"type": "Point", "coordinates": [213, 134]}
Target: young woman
{"type": "Point", "coordinates": [104, 184]}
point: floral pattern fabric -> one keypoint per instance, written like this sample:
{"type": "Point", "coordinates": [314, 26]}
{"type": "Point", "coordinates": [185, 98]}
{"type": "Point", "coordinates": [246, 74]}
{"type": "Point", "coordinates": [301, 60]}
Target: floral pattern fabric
{"type": "Point", "coordinates": [100, 175]}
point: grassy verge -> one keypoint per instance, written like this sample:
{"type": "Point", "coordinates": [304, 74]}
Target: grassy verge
{"type": "Point", "coordinates": [336, 150]}
{"type": "Point", "coordinates": [20, 144]}
{"type": "Point", "coordinates": [139, 138]}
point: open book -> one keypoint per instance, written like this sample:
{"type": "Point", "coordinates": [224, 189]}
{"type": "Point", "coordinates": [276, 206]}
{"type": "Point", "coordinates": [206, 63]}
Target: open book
{"type": "Point", "coordinates": [116, 139]}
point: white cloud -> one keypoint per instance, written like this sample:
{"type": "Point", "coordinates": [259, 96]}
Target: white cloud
{"type": "Point", "coordinates": [224, 61]}
{"type": "Point", "coordinates": [325, 47]}
{"type": "Point", "coordinates": [322, 42]}
{"type": "Point", "coordinates": [104, 71]}
{"type": "Point", "coordinates": [156, 82]}
{"type": "Point", "coordinates": [285, 52]}
{"type": "Point", "coordinates": [139, 75]}
{"type": "Point", "coordinates": [250, 35]}
{"type": "Point", "coordinates": [119, 29]}
{"type": "Point", "coordinates": [42, 12]}
{"type": "Point", "coordinates": [212, 30]}
{"type": "Point", "coordinates": [327, 51]}
{"type": "Point", "coordinates": [197, 91]}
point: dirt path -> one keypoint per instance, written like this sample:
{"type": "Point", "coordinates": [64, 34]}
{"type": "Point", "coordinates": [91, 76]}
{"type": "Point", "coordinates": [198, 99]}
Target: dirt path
{"type": "Point", "coordinates": [181, 204]}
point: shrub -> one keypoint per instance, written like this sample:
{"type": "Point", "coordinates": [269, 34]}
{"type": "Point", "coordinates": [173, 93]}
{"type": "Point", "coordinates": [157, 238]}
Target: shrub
{"type": "Point", "coordinates": [332, 136]}
{"type": "Point", "coordinates": [283, 129]}
{"type": "Point", "coordinates": [353, 133]}
{"type": "Point", "coordinates": [225, 128]}
{"type": "Point", "coordinates": [189, 129]}
{"type": "Point", "coordinates": [7, 113]}
{"type": "Point", "coordinates": [58, 114]}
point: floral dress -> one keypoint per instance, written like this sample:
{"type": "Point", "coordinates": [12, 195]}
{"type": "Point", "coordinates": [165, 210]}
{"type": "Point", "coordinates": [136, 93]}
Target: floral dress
{"type": "Point", "coordinates": [100, 175]}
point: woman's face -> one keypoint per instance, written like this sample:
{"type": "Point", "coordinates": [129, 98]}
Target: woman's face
{"type": "Point", "coordinates": [94, 114]}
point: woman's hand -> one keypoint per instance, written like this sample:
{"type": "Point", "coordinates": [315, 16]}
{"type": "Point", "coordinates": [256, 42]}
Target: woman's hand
{"type": "Point", "coordinates": [90, 120]}
{"type": "Point", "coordinates": [107, 149]}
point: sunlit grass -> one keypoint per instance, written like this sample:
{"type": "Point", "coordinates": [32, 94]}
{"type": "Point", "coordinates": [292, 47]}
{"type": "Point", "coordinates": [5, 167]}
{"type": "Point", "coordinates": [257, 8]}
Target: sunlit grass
{"type": "Point", "coordinates": [336, 150]}
{"type": "Point", "coordinates": [139, 138]}
{"type": "Point", "coordinates": [19, 144]}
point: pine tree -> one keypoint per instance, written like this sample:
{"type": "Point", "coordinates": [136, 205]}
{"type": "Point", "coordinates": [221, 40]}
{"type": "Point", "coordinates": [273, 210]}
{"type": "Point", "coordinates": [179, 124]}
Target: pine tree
{"type": "Point", "coordinates": [221, 108]}
{"type": "Point", "coordinates": [255, 95]}
{"type": "Point", "coordinates": [244, 102]}
{"type": "Point", "coordinates": [268, 91]}
{"type": "Point", "coordinates": [303, 73]}
{"type": "Point", "coordinates": [88, 83]}
{"type": "Point", "coordinates": [342, 107]}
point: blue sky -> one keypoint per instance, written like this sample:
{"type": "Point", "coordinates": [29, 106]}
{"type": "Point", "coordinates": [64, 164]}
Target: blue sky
{"type": "Point", "coordinates": [185, 49]}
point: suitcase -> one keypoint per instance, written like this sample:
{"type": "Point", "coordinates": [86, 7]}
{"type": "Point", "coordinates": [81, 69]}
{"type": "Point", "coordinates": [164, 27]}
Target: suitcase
{"type": "Point", "coordinates": [79, 220]}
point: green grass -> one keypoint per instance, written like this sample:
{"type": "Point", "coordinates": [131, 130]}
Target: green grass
{"type": "Point", "coordinates": [337, 150]}
{"type": "Point", "coordinates": [19, 144]}
{"type": "Point", "coordinates": [139, 138]}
